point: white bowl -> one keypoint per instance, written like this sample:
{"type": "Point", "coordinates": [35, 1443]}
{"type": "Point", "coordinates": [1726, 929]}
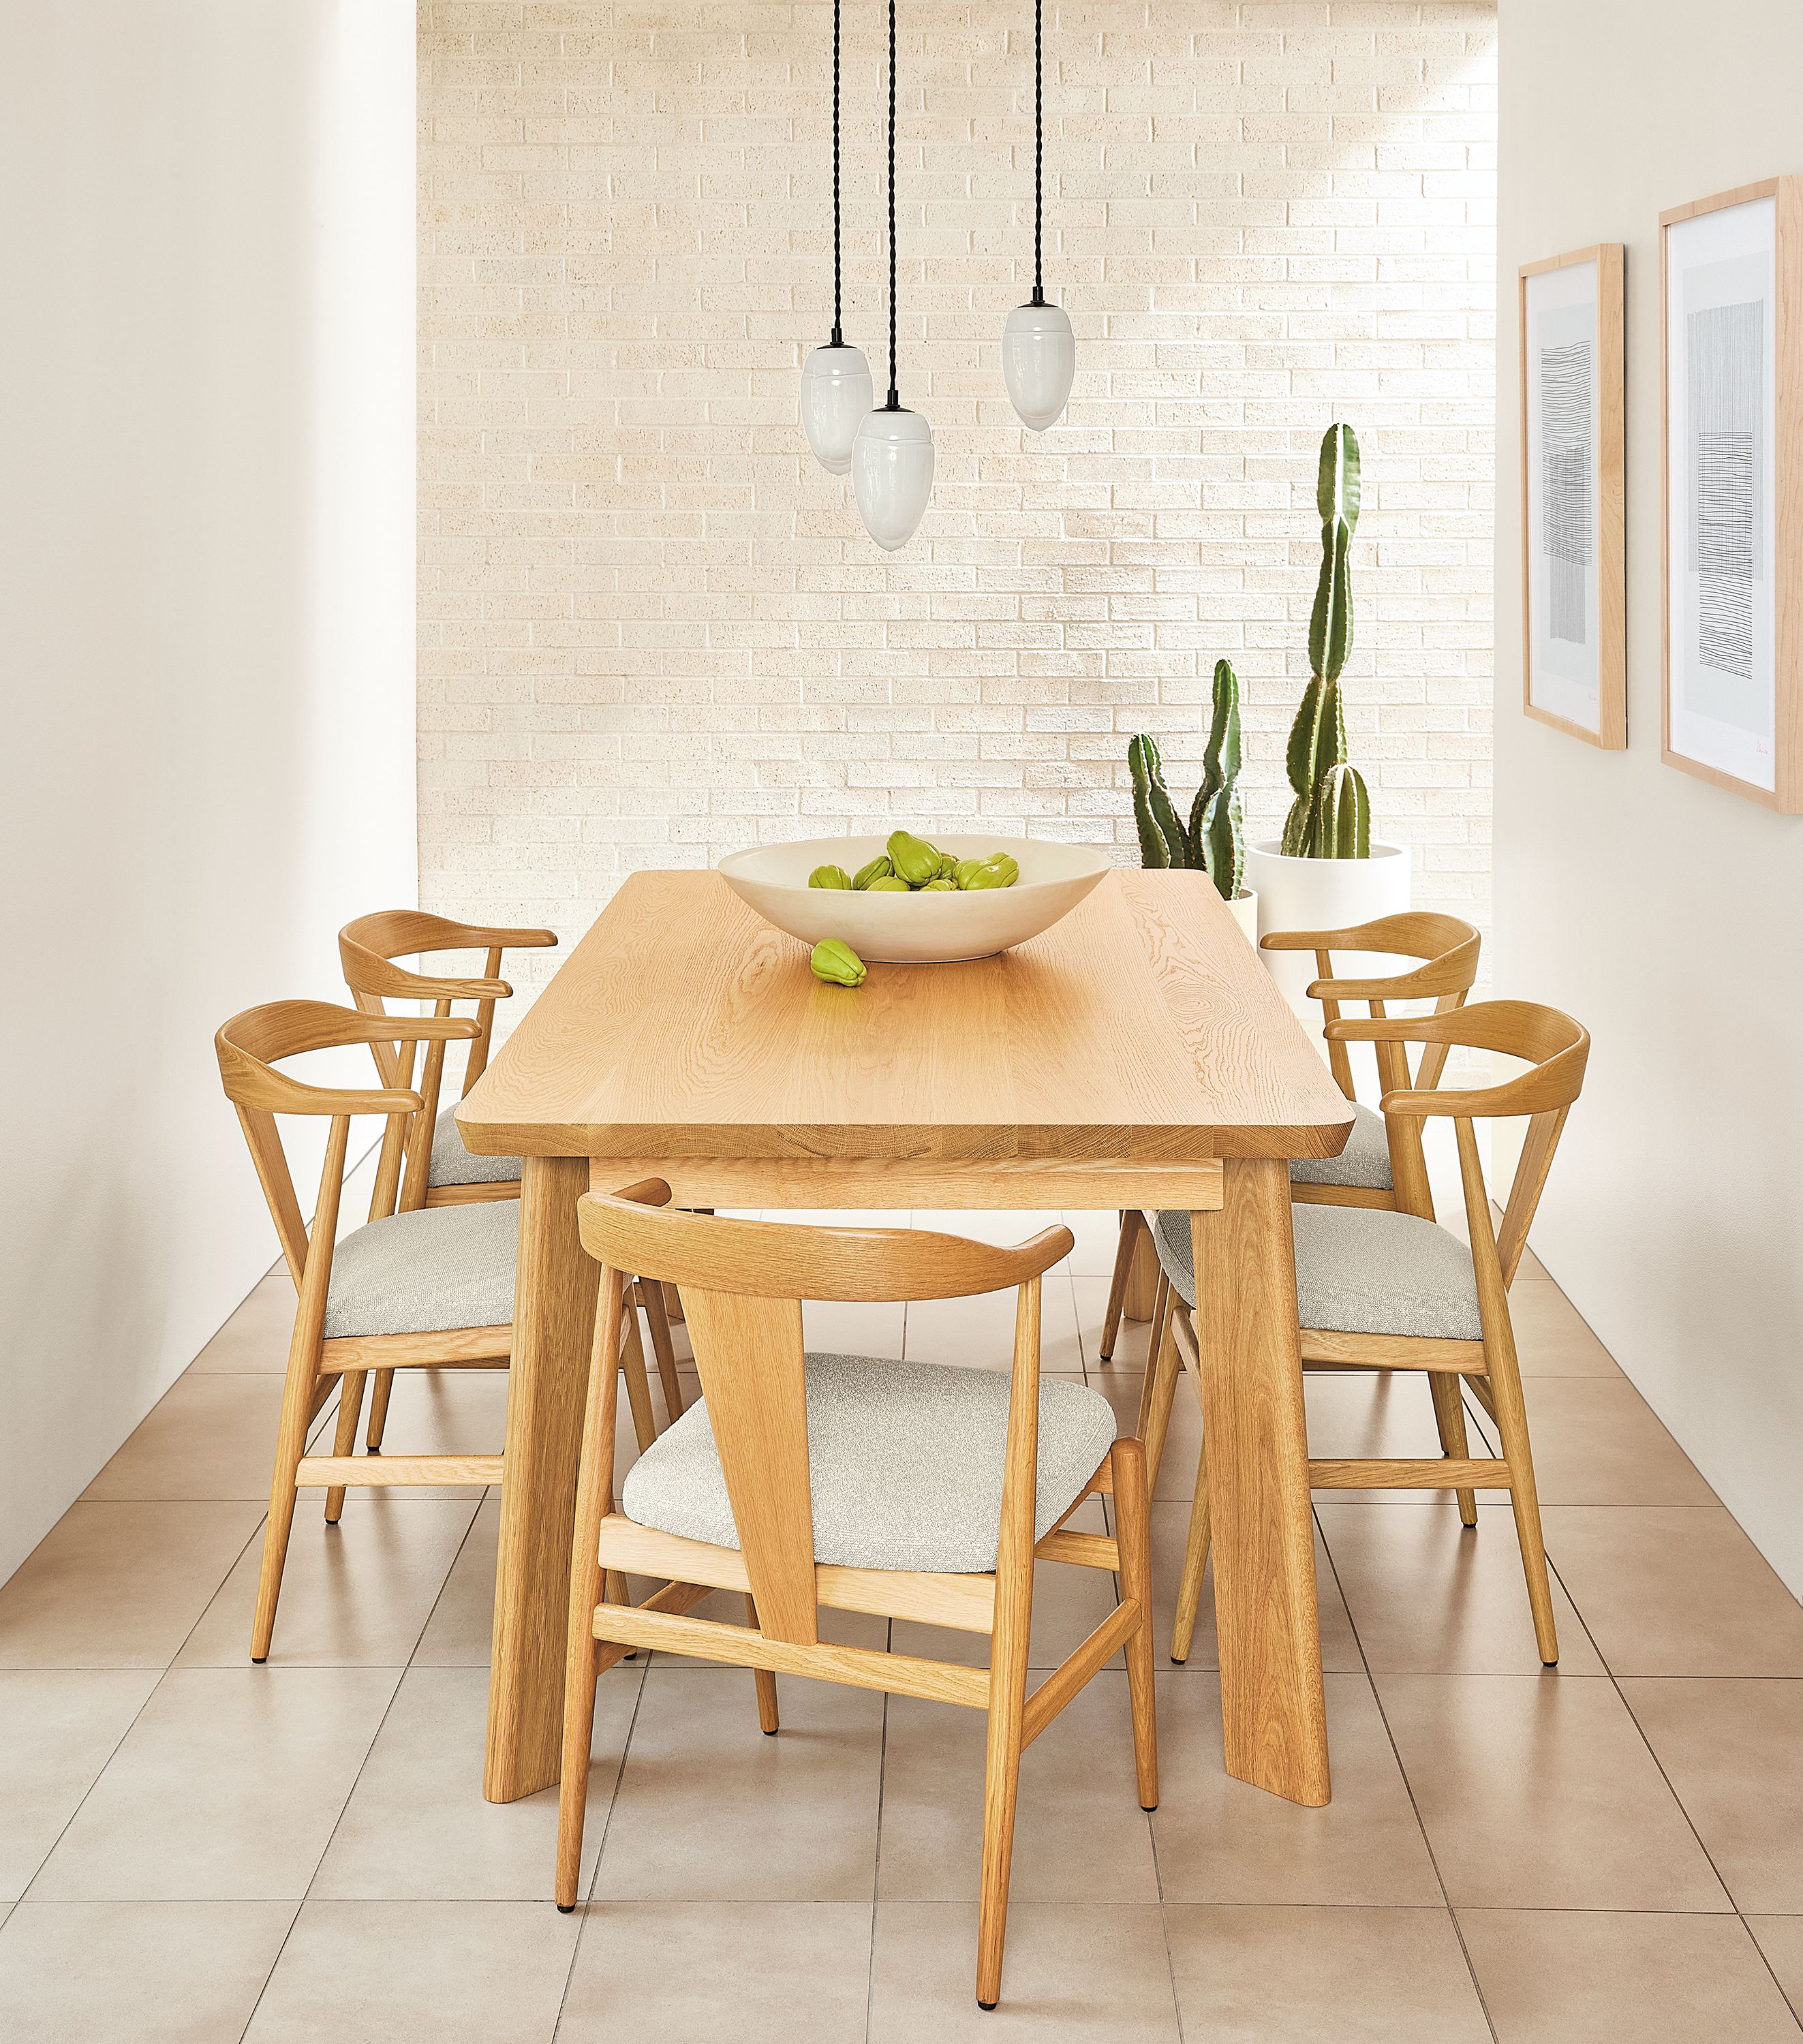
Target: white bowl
{"type": "Point", "coordinates": [894, 928]}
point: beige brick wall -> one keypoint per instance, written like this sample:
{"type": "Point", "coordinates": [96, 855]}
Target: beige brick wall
{"type": "Point", "coordinates": [652, 629]}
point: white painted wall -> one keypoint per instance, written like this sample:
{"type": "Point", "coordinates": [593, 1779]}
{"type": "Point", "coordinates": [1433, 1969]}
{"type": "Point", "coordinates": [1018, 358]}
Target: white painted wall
{"type": "Point", "coordinates": [206, 598]}
{"type": "Point", "coordinates": [1661, 911]}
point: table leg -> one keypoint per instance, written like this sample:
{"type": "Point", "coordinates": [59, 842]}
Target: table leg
{"type": "Point", "coordinates": [554, 1303]}
{"type": "Point", "coordinates": [1256, 1440]}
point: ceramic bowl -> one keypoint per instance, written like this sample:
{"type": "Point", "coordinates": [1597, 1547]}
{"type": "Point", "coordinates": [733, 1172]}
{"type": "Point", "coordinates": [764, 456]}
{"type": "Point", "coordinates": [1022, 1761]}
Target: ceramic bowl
{"type": "Point", "coordinates": [914, 929]}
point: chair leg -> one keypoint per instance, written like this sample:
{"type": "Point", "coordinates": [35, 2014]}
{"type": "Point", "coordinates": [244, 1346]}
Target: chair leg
{"type": "Point", "coordinates": [658, 1319]}
{"type": "Point", "coordinates": [573, 1788]}
{"type": "Point", "coordinates": [1449, 1415]}
{"type": "Point", "coordinates": [1133, 1514]}
{"type": "Point", "coordinates": [1132, 1227]}
{"type": "Point", "coordinates": [768, 1722]}
{"type": "Point", "coordinates": [1523, 1496]}
{"type": "Point", "coordinates": [298, 1391]}
{"type": "Point", "coordinates": [1163, 1367]}
{"type": "Point", "coordinates": [1002, 1773]}
{"type": "Point", "coordinates": [350, 1411]}
{"type": "Point", "coordinates": [1195, 1562]}
{"type": "Point", "coordinates": [638, 1384]}
{"type": "Point", "coordinates": [380, 1391]}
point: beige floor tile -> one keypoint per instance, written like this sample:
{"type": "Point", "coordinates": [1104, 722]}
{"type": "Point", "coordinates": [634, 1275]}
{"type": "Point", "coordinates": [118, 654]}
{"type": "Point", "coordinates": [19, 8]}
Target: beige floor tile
{"type": "Point", "coordinates": [710, 1809]}
{"type": "Point", "coordinates": [255, 1340]}
{"type": "Point", "coordinates": [1183, 1437]}
{"type": "Point", "coordinates": [853, 1327]}
{"type": "Point", "coordinates": [207, 1437]}
{"type": "Point", "coordinates": [1080, 1832]}
{"type": "Point", "coordinates": [1219, 1840]}
{"type": "Point", "coordinates": [1430, 1597]}
{"type": "Point", "coordinates": [461, 1630]}
{"type": "Point", "coordinates": [1733, 1752]}
{"type": "Point", "coordinates": [1359, 1414]}
{"type": "Point", "coordinates": [1552, 1338]}
{"type": "Point", "coordinates": [1321, 1975]}
{"type": "Point", "coordinates": [1597, 1441]}
{"type": "Point", "coordinates": [226, 1788]}
{"type": "Point", "coordinates": [1170, 1532]}
{"type": "Point", "coordinates": [1674, 1590]}
{"type": "Point", "coordinates": [1540, 1794]}
{"type": "Point", "coordinates": [979, 1332]}
{"type": "Point", "coordinates": [418, 1973]}
{"type": "Point", "coordinates": [120, 1586]}
{"type": "Point", "coordinates": [720, 1973]}
{"type": "Point", "coordinates": [1780, 1939]}
{"type": "Point", "coordinates": [355, 1595]}
{"type": "Point", "coordinates": [842, 1628]}
{"type": "Point", "coordinates": [1091, 1973]}
{"type": "Point", "coordinates": [58, 1729]}
{"type": "Point", "coordinates": [416, 1827]}
{"type": "Point", "coordinates": [136, 1972]}
{"type": "Point", "coordinates": [1098, 1235]}
{"type": "Point", "coordinates": [1131, 1340]}
{"type": "Point", "coordinates": [1551, 1977]}
{"type": "Point", "coordinates": [1004, 1226]}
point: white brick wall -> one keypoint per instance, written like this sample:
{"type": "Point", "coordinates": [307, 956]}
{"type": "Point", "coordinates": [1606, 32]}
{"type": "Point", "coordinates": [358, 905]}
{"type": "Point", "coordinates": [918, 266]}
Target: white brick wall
{"type": "Point", "coordinates": [652, 629]}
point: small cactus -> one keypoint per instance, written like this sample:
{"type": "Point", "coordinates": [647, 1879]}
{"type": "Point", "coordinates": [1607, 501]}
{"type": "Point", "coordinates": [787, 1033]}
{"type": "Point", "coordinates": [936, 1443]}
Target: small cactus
{"type": "Point", "coordinates": [1214, 840]}
{"type": "Point", "coordinates": [1316, 758]}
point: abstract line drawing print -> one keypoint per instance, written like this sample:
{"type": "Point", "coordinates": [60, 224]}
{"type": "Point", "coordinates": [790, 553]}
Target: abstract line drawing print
{"type": "Point", "coordinates": [1726, 386]}
{"type": "Point", "coordinates": [1567, 454]}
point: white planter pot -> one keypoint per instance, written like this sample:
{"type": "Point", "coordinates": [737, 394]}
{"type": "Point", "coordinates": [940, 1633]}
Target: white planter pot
{"type": "Point", "coordinates": [1244, 910]}
{"type": "Point", "coordinates": [1328, 894]}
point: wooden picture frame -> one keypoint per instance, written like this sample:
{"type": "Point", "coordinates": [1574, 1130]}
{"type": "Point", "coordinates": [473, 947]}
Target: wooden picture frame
{"type": "Point", "coordinates": [1573, 584]}
{"type": "Point", "coordinates": [1731, 380]}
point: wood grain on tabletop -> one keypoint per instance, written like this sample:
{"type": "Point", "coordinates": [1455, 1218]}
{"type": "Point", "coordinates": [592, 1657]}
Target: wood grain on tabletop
{"type": "Point", "coordinates": [1141, 1027]}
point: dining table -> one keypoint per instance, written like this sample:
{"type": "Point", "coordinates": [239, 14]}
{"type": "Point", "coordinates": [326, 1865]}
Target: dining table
{"type": "Point", "coordinates": [1137, 1054]}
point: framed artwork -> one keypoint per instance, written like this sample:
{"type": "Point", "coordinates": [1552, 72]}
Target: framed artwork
{"type": "Point", "coordinates": [1573, 580]}
{"type": "Point", "coordinates": [1731, 277]}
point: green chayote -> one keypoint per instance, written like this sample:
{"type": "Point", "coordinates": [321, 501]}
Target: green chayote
{"type": "Point", "coordinates": [836, 963]}
{"type": "Point", "coordinates": [889, 883]}
{"type": "Point", "coordinates": [913, 859]}
{"type": "Point", "coordinates": [880, 868]}
{"type": "Point", "coordinates": [829, 876]}
{"type": "Point", "coordinates": [997, 870]}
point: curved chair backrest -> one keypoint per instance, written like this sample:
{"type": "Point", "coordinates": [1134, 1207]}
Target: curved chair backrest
{"type": "Point", "coordinates": [1555, 1049]}
{"type": "Point", "coordinates": [368, 949]}
{"type": "Point", "coordinates": [250, 1047]}
{"type": "Point", "coordinates": [1445, 950]}
{"type": "Point", "coordinates": [743, 1285]}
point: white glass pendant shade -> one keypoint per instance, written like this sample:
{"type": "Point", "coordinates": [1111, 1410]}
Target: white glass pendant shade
{"type": "Point", "coordinates": [892, 461]}
{"type": "Point", "coordinates": [836, 393]}
{"type": "Point", "coordinates": [1039, 360]}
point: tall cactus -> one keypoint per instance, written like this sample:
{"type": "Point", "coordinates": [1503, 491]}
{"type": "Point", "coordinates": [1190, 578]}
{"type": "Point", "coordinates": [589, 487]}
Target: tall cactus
{"type": "Point", "coordinates": [1214, 840]}
{"type": "Point", "coordinates": [1318, 827]}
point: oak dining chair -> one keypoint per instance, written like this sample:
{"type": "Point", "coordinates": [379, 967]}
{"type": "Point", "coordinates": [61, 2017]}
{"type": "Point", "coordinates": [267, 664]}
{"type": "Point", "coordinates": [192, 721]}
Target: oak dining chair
{"type": "Point", "coordinates": [1390, 1289]}
{"type": "Point", "coordinates": [431, 1288]}
{"type": "Point", "coordinates": [1365, 1174]}
{"type": "Point", "coordinates": [909, 1490]}
{"type": "Point", "coordinates": [431, 1167]}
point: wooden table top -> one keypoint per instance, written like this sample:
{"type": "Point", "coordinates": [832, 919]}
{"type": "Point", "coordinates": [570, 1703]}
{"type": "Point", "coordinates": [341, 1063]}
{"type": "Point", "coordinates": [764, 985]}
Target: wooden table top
{"type": "Point", "coordinates": [1141, 1028]}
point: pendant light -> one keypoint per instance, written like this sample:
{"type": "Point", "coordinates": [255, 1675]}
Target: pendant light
{"type": "Point", "coordinates": [835, 379]}
{"type": "Point", "coordinates": [892, 457]}
{"type": "Point", "coordinates": [1039, 350]}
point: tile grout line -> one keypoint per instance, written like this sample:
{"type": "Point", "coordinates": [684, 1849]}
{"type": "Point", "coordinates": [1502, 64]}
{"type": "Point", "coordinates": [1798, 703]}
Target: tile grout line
{"type": "Point", "coordinates": [1408, 1786]}
{"type": "Point", "coordinates": [587, 1899]}
{"type": "Point", "coordinates": [876, 1866]}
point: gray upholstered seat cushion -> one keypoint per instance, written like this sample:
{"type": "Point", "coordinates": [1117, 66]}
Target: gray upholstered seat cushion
{"type": "Point", "coordinates": [420, 1272]}
{"type": "Point", "coordinates": [1360, 1270]}
{"type": "Point", "coordinates": [904, 1460]}
{"type": "Point", "coordinates": [453, 1165]}
{"type": "Point", "coordinates": [1365, 1161]}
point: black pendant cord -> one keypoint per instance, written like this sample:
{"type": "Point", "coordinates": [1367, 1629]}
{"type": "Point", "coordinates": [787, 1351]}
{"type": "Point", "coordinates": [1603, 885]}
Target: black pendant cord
{"type": "Point", "coordinates": [894, 404]}
{"type": "Point", "coordinates": [838, 333]}
{"type": "Point", "coordinates": [1039, 151]}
